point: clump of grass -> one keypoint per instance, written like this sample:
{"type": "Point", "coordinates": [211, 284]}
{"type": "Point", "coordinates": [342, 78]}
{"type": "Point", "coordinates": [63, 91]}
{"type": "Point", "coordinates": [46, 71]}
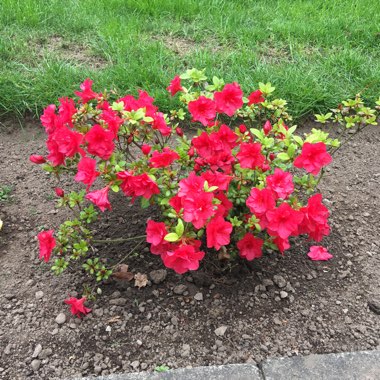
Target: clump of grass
{"type": "Point", "coordinates": [315, 52]}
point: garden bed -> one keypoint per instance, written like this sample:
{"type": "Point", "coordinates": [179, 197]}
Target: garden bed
{"type": "Point", "coordinates": [276, 306]}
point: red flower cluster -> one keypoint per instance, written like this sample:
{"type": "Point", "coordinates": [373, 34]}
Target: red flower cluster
{"type": "Point", "coordinates": [137, 185]}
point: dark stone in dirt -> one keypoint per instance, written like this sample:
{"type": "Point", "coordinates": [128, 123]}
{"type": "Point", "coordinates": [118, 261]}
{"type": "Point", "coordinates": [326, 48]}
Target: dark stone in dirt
{"type": "Point", "coordinates": [118, 301]}
{"type": "Point", "coordinates": [374, 306]}
{"type": "Point", "coordinates": [158, 276]}
{"type": "Point", "coordinates": [279, 281]}
{"type": "Point", "coordinates": [179, 289]}
{"type": "Point", "coordinates": [36, 364]}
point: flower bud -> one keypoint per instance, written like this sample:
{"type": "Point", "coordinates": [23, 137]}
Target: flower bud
{"type": "Point", "coordinates": [272, 156]}
{"type": "Point", "coordinates": [146, 149]}
{"type": "Point", "coordinates": [130, 139]}
{"type": "Point", "coordinates": [267, 127]}
{"type": "Point", "coordinates": [36, 159]}
{"type": "Point", "coordinates": [242, 128]}
{"type": "Point", "coordinates": [60, 193]}
{"type": "Point", "coordinates": [179, 131]}
{"type": "Point", "coordinates": [191, 152]}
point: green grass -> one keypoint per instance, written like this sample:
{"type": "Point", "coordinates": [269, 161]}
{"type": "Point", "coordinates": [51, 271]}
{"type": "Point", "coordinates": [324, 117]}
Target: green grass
{"type": "Point", "coordinates": [315, 52]}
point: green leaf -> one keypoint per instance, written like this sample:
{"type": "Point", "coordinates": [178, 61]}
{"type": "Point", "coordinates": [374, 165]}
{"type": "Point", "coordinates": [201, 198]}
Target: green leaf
{"type": "Point", "coordinates": [257, 133]}
{"type": "Point", "coordinates": [298, 140]}
{"type": "Point", "coordinates": [115, 188]}
{"type": "Point", "coordinates": [180, 228]}
{"type": "Point", "coordinates": [171, 237]}
{"type": "Point", "coordinates": [283, 156]}
{"type": "Point", "coordinates": [144, 202]}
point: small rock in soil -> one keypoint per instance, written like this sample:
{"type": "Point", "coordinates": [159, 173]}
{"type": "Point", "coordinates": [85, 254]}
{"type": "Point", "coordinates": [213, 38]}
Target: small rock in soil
{"type": "Point", "coordinates": [220, 331]}
{"type": "Point", "coordinates": [118, 301]}
{"type": "Point", "coordinates": [198, 297]}
{"type": "Point", "coordinates": [61, 318]}
{"type": "Point", "coordinates": [179, 289]}
{"type": "Point", "coordinates": [135, 364]}
{"type": "Point", "coordinates": [158, 276]}
{"type": "Point", "coordinates": [36, 364]}
{"type": "Point", "coordinates": [37, 351]}
{"type": "Point", "coordinates": [185, 350]}
{"type": "Point", "coordinates": [283, 294]}
{"type": "Point", "coordinates": [39, 294]}
{"type": "Point", "coordinates": [279, 281]}
{"type": "Point", "coordinates": [374, 305]}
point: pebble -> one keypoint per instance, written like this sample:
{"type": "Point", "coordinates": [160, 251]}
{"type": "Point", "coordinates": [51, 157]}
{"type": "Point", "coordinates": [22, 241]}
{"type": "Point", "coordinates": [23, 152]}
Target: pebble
{"type": "Point", "coordinates": [279, 281]}
{"type": "Point", "coordinates": [135, 364]}
{"type": "Point", "coordinates": [374, 305]}
{"type": "Point", "coordinates": [179, 289]}
{"type": "Point", "coordinates": [39, 294]}
{"type": "Point", "coordinates": [118, 301]}
{"type": "Point", "coordinates": [37, 351]}
{"type": "Point", "coordinates": [283, 294]}
{"type": "Point", "coordinates": [198, 297]}
{"type": "Point", "coordinates": [158, 276]}
{"type": "Point", "coordinates": [185, 350]}
{"type": "Point", "coordinates": [61, 318]}
{"type": "Point", "coordinates": [36, 364]}
{"type": "Point", "coordinates": [220, 331]}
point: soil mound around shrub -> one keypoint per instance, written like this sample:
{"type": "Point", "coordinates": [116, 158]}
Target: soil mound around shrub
{"type": "Point", "coordinates": [275, 306]}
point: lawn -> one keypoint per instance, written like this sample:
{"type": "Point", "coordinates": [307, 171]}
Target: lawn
{"type": "Point", "coordinates": [315, 52]}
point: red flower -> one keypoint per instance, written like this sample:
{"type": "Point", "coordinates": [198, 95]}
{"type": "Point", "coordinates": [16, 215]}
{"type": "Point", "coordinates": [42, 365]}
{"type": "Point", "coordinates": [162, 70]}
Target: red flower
{"type": "Point", "coordinates": [59, 192]}
{"type": "Point", "coordinates": [176, 203]}
{"type": "Point", "coordinates": [318, 253]}
{"type": "Point", "coordinates": [229, 99]}
{"type": "Point", "coordinates": [183, 258]}
{"type": "Point", "coordinates": [242, 128]}
{"type": "Point", "coordinates": [267, 127]}
{"type": "Point", "coordinates": [100, 198]}
{"type": "Point", "coordinates": [54, 156]}
{"type": "Point", "coordinates": [218, 179]}
{"type": "Point", "coordinates": [77, 306]}
{"type": "Point", "coordinates": [145, 148]}
{"type": "Point", "coordinates": [283, 221]}
{"type": "Point", "coordinates": [225, 206]}
{"type": "Point", "coordinates": [112, 120]}
{"type": "Point", "coordinates": [281, 183]}
{"type": "Point", "coordinates": [137, 185]}
{"type": "Point", "coordinates": [143, 101]}
{"type": "Point", "coordinates": [260, 201]}
{"type": "Point", "coordinates": [67, 110]}
{"type": "Point", "coordinates": [175, 86]}
{"type": "Point", "coordinates": [86, 171]}
{"type": "Point", "coordinates": [47, 244]}
{"type": "Point", "coordinates": [202, 110]}
{"type": "Point", "coordinates": [197, 208]}
{"type": "Point", "coordinates": [250, 247]}
{"type": "Point", "coordinates": [68, 141]}
{"type": "Point", "coordinates": [155, 232]}
{"type": "Point", "coordinates": [191, 184]}
{"type": "Point", "coordinates": [100, 142]}
{"type": "Point", "coordinates": [282, 244]}
{"type": "Point", "coordinates": [163, 159]}
{"type": "Point", "coordinates": [315, 218]}
{"type": "Point", "coordinates": [159, 124]}
{"type": "Point", "coordinates": [87, 94]}
{"type": "Point", "coordinates": [250, 156]}
{"type": "Point", "coordinates": [255, 97]}
{"type": "Point", "coordinates": [49, 118]}
{"type": "Point", "coordinates": [36, 159]}
{"type": "Point", "coordinates": [218, 233]}
{"type": "Point", "coordinates": [313, 157]}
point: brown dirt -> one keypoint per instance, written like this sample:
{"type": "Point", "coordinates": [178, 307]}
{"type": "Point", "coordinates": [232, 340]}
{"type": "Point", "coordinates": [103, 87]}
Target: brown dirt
{"type": "Point", "coordinates": [130, 329]}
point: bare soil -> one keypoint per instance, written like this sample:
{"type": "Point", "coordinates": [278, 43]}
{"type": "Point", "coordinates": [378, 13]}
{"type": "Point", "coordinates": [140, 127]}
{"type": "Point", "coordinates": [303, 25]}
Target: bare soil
{"type": "Point", "coordinates": [239, 317]}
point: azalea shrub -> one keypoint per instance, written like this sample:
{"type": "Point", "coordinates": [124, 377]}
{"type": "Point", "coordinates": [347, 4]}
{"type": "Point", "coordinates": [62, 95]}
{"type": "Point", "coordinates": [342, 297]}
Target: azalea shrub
{"type": "Point", "coordinates": [243, 184]}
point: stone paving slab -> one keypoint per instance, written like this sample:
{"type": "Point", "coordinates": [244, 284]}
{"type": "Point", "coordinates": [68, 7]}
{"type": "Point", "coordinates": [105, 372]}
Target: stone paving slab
{"type": "Point", "coordinates": [223, 372]}
{"type": "Point", "coordinates": [363, 365]}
